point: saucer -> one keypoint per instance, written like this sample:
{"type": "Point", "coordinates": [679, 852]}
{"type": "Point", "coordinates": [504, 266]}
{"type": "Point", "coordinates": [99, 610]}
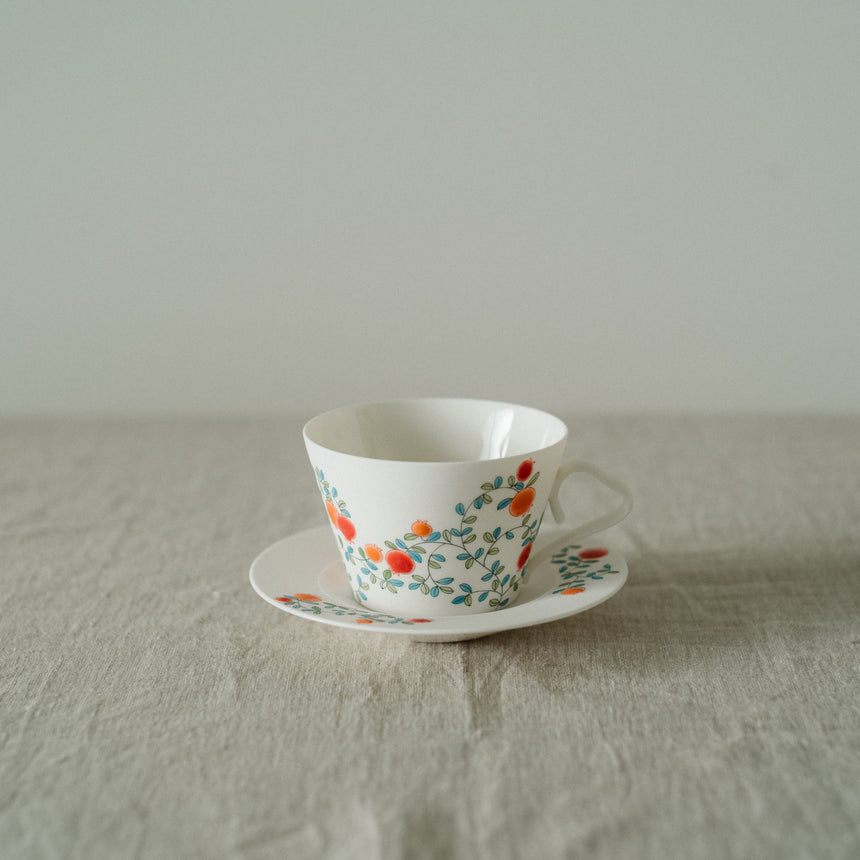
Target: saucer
{"type": "Point", "coordinates": [304, 575]}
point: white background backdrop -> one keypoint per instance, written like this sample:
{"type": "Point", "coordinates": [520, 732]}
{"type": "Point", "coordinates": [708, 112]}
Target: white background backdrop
{"type": "Point", "coordinates": [282, 206]}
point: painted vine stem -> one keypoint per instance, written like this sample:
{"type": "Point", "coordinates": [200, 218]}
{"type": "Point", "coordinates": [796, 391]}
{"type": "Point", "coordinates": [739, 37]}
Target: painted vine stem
{"type": "Point", "coordinates": [425, 549]}
{"type": "Point", "coordinates": [578, 567]}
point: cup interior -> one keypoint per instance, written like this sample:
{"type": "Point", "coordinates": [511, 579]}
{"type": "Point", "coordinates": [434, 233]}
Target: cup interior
{"type": "Point", "coordinates": [435, 430]}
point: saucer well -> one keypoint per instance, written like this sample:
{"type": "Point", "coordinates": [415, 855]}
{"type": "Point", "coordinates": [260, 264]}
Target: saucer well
{"type": "Point", "coordinates": [304, 575]}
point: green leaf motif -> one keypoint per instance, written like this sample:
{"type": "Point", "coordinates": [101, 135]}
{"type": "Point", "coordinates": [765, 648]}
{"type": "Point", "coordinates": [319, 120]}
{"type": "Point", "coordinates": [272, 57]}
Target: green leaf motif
{"type": "Point", "coordinates": [460, 537]}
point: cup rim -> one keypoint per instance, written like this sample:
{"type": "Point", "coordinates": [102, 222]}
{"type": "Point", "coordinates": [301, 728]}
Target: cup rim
{"type": "Point", "coordinates": [306, 429]}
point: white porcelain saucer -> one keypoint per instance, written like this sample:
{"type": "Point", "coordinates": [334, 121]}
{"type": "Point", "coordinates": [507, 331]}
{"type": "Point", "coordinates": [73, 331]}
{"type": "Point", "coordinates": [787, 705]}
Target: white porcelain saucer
{"type": "Point", "coordinates": [304, 575]}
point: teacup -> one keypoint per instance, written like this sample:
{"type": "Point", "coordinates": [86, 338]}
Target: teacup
{"type": "Point", "coordinates": [436, 503]}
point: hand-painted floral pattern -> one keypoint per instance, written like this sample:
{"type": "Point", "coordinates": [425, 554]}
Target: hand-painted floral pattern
{"type": "Point", "coordinates": [316, 605]}
{"type": "Point", "coordinates": [579, 568]}
{"type": "Point", "coordinates": [427, 554]}
{"type": "Point", "coordinates": [336, 509]}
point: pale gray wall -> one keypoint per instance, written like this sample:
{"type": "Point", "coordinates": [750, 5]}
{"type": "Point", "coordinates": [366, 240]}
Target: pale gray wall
{"type": "Point", "coordinates": [603, 205]}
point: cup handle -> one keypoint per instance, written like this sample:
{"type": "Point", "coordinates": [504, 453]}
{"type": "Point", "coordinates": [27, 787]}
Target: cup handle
{"type": "Point", "coordinates": [598, 523]}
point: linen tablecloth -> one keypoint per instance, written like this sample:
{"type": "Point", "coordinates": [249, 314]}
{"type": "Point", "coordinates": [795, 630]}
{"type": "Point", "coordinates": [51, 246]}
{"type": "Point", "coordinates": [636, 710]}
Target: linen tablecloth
{"type": "Point", "coordinates": [152, 705]}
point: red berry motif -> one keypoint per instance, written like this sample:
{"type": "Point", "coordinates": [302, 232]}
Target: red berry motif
{"type": "Point", "coordinates": [399, 562]}
{"type": "Point", "coordinates": [593, 553]}
{"type": "Point", "coordinates": [345, 524]}
{"type": "Point", "coordinates": [524, 557]}
{"type": "Point", "coordinates": [525, 469]}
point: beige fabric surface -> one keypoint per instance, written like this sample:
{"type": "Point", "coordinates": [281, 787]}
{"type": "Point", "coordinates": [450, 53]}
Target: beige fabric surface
{"type": "Point", "coordinates": [152, 705]}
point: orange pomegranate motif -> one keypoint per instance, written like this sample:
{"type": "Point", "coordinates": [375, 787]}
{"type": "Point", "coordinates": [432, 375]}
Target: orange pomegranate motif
{"type": "Point", "coordinates": [421, 528]}
{"type": "Point", "coordinates": [522, 502]}
{"type": "Point", "coordinates": [331, 510]}
{"type": "Point", "coordinates": [373, 552]}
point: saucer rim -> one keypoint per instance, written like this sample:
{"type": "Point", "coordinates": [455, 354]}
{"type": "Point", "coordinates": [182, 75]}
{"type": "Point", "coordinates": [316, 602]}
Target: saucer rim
{"type": "Point", "coordinates": [448, 627]}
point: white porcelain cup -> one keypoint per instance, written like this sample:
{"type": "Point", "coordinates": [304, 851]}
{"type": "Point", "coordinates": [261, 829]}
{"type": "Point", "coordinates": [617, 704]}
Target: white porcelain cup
{"type": "Point", "coordinates": [436, 504]}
